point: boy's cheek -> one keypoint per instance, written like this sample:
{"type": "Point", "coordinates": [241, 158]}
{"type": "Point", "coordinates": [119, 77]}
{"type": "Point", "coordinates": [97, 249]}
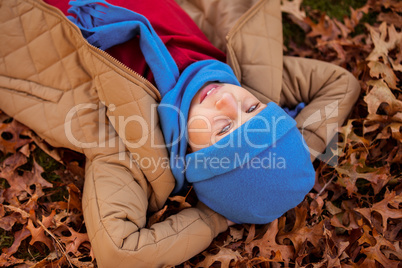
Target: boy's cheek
{"type": "Point", "coordinates": [199, 139]}
{"type": "Point", "coordinates": [199, 133]}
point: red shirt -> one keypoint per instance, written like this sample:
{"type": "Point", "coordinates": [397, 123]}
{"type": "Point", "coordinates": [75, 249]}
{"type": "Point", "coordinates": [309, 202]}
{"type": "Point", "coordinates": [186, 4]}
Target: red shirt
{"type": "Point", "coordinates": [182, 37]}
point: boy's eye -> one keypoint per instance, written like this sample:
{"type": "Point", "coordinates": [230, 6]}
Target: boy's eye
{"type": "Point", "coordinates": [225, 129]}
{"type": "Point", "coordinates": [252, 108]}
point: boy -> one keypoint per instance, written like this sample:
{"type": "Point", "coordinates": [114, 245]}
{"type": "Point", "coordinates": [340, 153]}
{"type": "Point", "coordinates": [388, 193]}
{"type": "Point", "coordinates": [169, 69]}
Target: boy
{"type": "Point", "coordinates": [254, 133]}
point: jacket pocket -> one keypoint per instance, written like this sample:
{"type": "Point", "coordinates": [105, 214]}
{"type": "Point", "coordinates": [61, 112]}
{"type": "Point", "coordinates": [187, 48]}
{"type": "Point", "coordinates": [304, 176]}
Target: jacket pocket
{"type": "Point", "coordinates": [31, 88]}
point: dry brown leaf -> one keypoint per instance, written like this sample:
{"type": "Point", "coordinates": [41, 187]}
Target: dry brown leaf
{"type": "Point", "coordinates": [355, 17]}
{"type": "Point", "coordinates": [39, 235]}
{"type": "Point", "coordinates": [332, 208]}
{"type": "Point", "coordinates": [9, 261]}
{"type": "Point", "coordinates": [156, 216]}
{"type": "Point", "coordinates": [391, 18]}
{"type": "Point", "coordinates": [325, 28]}
{"type": "Point", "coordinates": [74, 241]}
{"type": "Point", "coordinates": [8, 222]}
{"type": "Point", "coordinates": [74, 200]}
{"type": "Point", "coordinates": [18, 237]}
{"type": "Point", "coordinates": [366, 237]}
{"type": "Point", "coordinates": [12, 131]}
{"type": "Point", "coordinates": [225, 256]}
{"type": "Point", "coordinates": [293, 8]}
{"type": "Point", "coordinates": [381, 70]}
{"type": "Point", "coordinates": [385, 39]}
{"type": "Point", "coordinates": [235, 234]}
{"type": "Point", "coordinates": [334, 249]}
{"type": "Point", "coordinates": [317, 203]}
{"type": "Point", "coordinates": [388, 208]}
{"type": "Point", "coordinates": [20, 184]}
{"type": "Point", "coordinates": [301, 232]}
{"type": "Point", "coordinates": [181, 200]}
{"type": "Point", "coordinates": [268, 247]}
{"type": "Point", "coordinates": [374, 253]}
{"type": "Point", "coordinates": [380, 93]}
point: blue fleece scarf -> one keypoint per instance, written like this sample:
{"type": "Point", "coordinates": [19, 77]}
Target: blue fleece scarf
{"type": "Point", "coordinates": [105, 25]}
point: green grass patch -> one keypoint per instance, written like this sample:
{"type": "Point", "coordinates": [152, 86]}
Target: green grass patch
{"type": "Point", "coordinates": [333, 8]}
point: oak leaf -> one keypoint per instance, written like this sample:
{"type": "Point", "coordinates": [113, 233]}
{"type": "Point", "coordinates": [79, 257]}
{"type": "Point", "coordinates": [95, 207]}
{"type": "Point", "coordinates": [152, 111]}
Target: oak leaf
{"type": "Point", "coordinates": [384, 39]}
{"type": "Point", "coordinates": [374, 253]}
{"type": "Point", "coordinates": [181, 200]}
{"type": "Point", "coordinates": [355, 16]}
{"type": "Point", "coordinates": [74, 197]}
{"type": "Point", "coordinates": [9, 261]}
{"type": "Point", "coordinates": [388, 208]}
{"type": "Point", "coordinates": [379, 69]}
{"type": "Point", "coordinates": [7, 222]}
{"type": "Point", "coordinates": [10, 133]}
{"type": "Point", "coordinates": [268, 246]}
{"type": "Point", "coordinates": [391, 18]}
{"type": "Point", "coordinates": [325, 28]}
{"type": "Point", "coordinates": [348, 218]}
{"type": "Point", "coordinates": [333, 249]}
{"type": "Point", "coordinates": [20, 185]}
{"type": "Point", "coordinates": [300, 232]}
{"type": "Point", "coordinates": [225, 256]}
{"type": "Point", "coordinates": [293, 8]}
{"type": "Point", "coordinates": [73, 241]}
{"type": "Point", "coordinates": [39, 233]}
{"type": "Point", "coordinates": [19, 236]}
{"type": "Point", "coordinates": [380, 93]}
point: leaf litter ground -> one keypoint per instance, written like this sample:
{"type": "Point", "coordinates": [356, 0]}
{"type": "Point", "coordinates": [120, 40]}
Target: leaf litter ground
{"type": "Point", "coordinates": [352, 217]}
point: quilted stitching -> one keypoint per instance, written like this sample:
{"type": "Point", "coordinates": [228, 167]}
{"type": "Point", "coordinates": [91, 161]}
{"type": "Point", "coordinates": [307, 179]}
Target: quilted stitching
{"type": "Point", "coordinates": [243, 55]}
{"type": "Point", "coordinates": [51, 61]}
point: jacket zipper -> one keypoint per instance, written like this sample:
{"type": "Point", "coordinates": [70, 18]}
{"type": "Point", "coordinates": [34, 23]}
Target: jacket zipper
{"type": "Point", "coordinates": [127, 69]}
{"type": "Point", "coordinates": [103, 53]}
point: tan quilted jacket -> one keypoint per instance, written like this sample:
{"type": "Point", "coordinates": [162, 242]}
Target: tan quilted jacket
{"type": "Point", "coordinates": [75, 96]}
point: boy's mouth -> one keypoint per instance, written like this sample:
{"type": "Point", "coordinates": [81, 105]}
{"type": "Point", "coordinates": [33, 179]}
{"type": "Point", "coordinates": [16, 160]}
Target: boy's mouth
{"type": "Point", "coordinates": [208, 90]}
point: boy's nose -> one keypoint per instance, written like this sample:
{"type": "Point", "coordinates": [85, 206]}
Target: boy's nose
{"type": "Point", "coordinates": [227, 104]}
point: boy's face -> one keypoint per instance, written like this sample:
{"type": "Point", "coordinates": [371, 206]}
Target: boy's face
{"type": "Point", "coordinates": [218, 109]}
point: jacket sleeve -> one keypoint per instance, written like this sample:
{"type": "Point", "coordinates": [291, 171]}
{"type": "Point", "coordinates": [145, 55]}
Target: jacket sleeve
{"type": "Point", "coordinates": [115, 210]}
{"type": "Point", "coordinates": [329, 93]}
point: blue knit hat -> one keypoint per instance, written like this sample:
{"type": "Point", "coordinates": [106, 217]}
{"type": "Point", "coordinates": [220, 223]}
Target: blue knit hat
{"type": "Point", "coordinates": [254, 174]}
{"type": "Point", "coordinates": [257, 172]}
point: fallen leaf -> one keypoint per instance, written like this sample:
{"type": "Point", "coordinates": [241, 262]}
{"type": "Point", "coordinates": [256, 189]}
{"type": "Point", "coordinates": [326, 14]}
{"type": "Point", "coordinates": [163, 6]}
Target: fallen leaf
{"type": "Point", "coordinates": [385, 39]}
{"type": "Point", "coordinates": [156, 216]}
{"type": "Point", "coordinates": [380, 93]}
{"type": "Point", "coordinates": [8, 222]}
{"type": "Point", "coordinates": [381, 70]}
{"type": "Point", "coordinates": [10, 133]}
{"type": "Point", "coordinates": [19, 236]}
{"type": "Point", "coordinates": [224, 256]}
{"type": "Point", "coordinates": [39, 235]}
{"type": "Point", "coordinates": [388, 208]}
{"type": "Point", "coordinates": [374, 253]}
{"type": "Point", "coordinates": [268, 246]}
{"type": "Point", "coordinates": [300, 232]}
{"type": "Point", "coordinates": [332, 208]}
{"type": "Point", "coordinates": [391, 18]}
{"type": "Point", "coordinates": [181, 200]}
{"type": "Point", "coordinates": [74, 199]}
{"type": "Point", "coordinates": [293, 8]}
{"type": "Point", "coordinates": [325, 28]}
{"type": "Point", "coordinates": [74, 241]}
